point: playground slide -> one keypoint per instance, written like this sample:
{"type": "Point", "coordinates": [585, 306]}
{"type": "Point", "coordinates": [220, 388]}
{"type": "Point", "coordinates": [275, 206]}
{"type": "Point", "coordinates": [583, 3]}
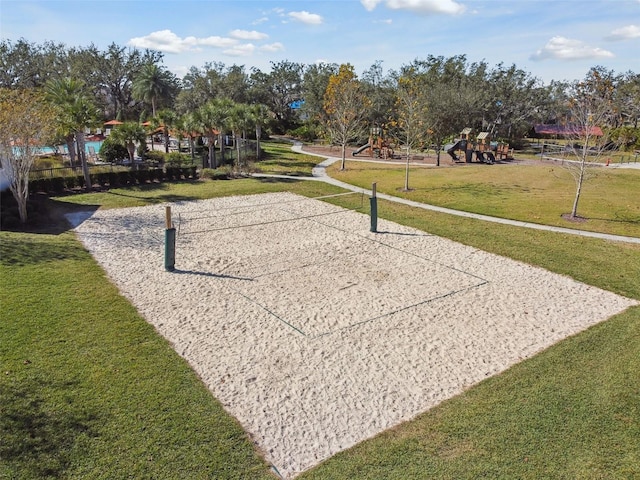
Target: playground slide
{"type": "Point", "coordinates": [459, 145]}
{"type": "Point", "coordinates": [364, 147]}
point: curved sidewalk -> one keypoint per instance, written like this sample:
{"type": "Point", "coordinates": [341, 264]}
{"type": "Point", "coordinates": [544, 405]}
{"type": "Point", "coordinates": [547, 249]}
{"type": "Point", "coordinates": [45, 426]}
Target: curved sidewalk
{"type": "Point", "coordinates": [319, 173]}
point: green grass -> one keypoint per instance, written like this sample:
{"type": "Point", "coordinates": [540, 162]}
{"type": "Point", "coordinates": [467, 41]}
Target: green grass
{"type": "Point", "coordinates": [538, 194]}
{"type": "Point", "coordinates": [89, 390]}
{"type": "Point", "coordinates": [280, 160]}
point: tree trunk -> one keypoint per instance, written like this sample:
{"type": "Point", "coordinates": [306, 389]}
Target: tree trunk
{"type": "Point", "coordinates": [406, 172]}
{"type": "Point", "coordinates": [165, 132]}
{"type": "Point", "coordinates": [236, 141]}
{"type": "Point", "coordinates": [20, 190]}
{"type": "Point", "coordinates": [192, 149]}
{"type": "Point", "coordinates": [344, 149]}
{"type": "Point", "coordinates": [71, 150]}
{"type": "Point", "coordinates": [258, 135]}
{"type": "Point", "coordinates": [83, 159]}
{"type": "Point", "coordinates": [574, 210]}
{"type": "Point", "coordinates": [212, 153]}
{"type": "Point", "coordinates": [221, 140]}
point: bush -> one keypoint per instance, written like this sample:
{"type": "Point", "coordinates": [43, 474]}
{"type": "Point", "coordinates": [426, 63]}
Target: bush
{"type": "Point", "coordinates": [112, 152]}
{"type": "Point", "coordinates": [156, 157]}
{"type": "Point", "coordinates": [71, 182]}
{"type": "Point", "coordinates": [306, 133]}
{"type": "Point", "coordinates": [222, 173]}
{"type": "Point", "coordinates": [176, 159]}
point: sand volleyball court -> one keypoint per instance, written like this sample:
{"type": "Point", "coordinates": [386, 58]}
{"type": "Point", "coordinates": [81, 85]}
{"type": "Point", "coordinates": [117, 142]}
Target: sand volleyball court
{"type": "Point", "coordinates": [316, 333]}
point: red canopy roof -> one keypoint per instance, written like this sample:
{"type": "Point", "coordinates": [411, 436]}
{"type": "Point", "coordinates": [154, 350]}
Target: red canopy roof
{"type": "Point", "coordinates": [566, 130]}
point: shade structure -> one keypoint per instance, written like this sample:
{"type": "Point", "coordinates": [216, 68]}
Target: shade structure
{"type": "Point", "coordinates": [566, 130]}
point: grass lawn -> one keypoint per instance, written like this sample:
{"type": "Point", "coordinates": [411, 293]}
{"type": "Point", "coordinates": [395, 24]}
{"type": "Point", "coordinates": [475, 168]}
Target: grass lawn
{"type": "Point", "coordinates": [89, 390]}
{"type": "Point", "coordinates": [531, 193]}
{"type": "Point", "coordinates": [280, 159]}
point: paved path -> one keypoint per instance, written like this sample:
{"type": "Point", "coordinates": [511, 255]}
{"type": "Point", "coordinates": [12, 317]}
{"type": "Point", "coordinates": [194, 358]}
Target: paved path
{"type": "Point", "coordinates": [320, 174]}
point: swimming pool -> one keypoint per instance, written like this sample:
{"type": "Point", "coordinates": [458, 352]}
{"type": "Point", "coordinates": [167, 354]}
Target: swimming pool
{"type": "Point", "coordinates": [63, 148]}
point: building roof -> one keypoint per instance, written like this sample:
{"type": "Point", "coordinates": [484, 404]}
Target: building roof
{"type": "Point", "coordinates": [566, 130]}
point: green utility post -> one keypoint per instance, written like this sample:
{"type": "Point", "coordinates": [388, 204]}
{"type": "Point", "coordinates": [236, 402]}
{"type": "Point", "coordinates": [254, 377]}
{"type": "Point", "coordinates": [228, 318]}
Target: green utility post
{"type": "Point", "coordinates": [169, 243]}
{"type": "Point", "coordinates": [373, 200]}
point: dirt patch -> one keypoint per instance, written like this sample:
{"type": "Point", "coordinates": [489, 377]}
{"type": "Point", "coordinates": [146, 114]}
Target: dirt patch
{"type": "Point", "coordinates": [576, 219]}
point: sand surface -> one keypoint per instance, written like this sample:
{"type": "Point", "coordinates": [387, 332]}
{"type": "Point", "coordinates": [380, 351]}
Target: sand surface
{"type": "Point", "coordinates": [316, 333]}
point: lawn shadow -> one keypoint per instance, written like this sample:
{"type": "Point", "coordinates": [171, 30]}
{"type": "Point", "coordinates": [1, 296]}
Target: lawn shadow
{"type": "Point", "coordinates": [38, 437]}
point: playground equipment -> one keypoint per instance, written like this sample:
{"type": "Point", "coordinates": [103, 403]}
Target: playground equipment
{"type": "Point", "coordinates": [482, 147]}
{"type": "Point", "coordinates": [377, 146]}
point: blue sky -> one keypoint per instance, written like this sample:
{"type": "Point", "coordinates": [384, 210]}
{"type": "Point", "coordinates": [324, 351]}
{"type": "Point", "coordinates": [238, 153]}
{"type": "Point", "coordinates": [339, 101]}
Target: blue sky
{"type": "Point", "coordinates": [551, 39]}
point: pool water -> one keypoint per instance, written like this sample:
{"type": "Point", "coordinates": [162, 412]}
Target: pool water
{"type": "Point", "coordinates": [63, 148]}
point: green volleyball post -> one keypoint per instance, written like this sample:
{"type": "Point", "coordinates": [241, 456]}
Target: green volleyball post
{"type": "Point", "coordinates": [169, 243]}
{"type": "Point", "coordinates": [373, 200]}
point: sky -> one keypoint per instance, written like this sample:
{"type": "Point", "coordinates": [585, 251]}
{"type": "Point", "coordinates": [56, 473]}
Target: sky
{"type": "Point", "coordinates": [549, 39]}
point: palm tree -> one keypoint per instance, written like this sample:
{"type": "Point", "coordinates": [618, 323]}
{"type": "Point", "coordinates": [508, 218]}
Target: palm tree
{"type": "Point", "coordinates": [239, 118]}
{"type": "Point", "coordinates": [212, 119]}
{"type": "Point", "coordinates": [76, 111]}
{"type": "Point", "coordinates": [259, 115]}
{"type": "Point", "coordinates": [189, 127]}
{"type": "Point", "coordinates": [165, 119]}
{"type": "Point", "coordinates": [152, 84]}
{"type": "Point", "coordinates": [128, 134]}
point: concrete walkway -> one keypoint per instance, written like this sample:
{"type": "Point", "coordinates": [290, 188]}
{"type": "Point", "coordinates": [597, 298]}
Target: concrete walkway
{"type": "Point", "coordinates": [320, 174]}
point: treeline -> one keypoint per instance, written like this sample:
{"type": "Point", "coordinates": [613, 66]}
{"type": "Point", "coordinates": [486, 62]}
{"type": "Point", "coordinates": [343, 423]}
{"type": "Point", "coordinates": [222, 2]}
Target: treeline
{"type": "Point", "coordinates": [128, 84]}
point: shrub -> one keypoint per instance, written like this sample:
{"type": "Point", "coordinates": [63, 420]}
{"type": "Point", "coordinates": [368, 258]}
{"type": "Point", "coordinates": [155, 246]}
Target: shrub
{"type": "Point", "coordinates": [58, 184]}
{"type": "Point", "coordinates": [306, 133]}
{"type": "Point", "coordinates": [222, 173]}
{"type": "Point", "coordinates": [156, 157]}
{"type": "Point", "coordinates": [112, 152]}
{"type": "Point", "coordinates": [176, 159]}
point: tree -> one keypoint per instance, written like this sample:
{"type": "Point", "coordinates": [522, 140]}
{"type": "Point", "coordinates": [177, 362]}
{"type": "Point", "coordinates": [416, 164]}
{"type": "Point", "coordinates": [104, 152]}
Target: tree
{"type": "Point", "coordinates": [212, 118]}
{"type": "Point", "coordinates": [314, 85]}
{"type": "Point", "coordinates": [512, 101]}
{"type": "Point", "coordinates": [279, 90]}
{"type": "Point", "coordinates": [154, 85]}
{"type": "Point", "coordinates": [164, 119]}
{"type": "Point", "coordinates": [628, 99]}
{"type": "Point", "coordinates": [346, 108]}
{"type": "Point", "coordinates": [117, 68]}
{"type": "Point", "coordinates": [26, 123]}
{"type": "Point", "coordinates": [76, 111]}
{"type": "Point", "coordinates": [129, 134]}
{"type": "Point", "coordinates": [29, 65]}
{"type": "Point", "coordinates": [449, 92]}
{"type": "Point", "coordinates": [189, 124]}
{"type": "Point", "coordinates": [591, 108]}
{"type": "Point", "coordinates": [381, 90]}
{"type": "Point", "coordinates": [411, 108]}
{"type": "Point", "coordinates": [239, 118]}
{"type": "Point", "coordinates": [259, 116]}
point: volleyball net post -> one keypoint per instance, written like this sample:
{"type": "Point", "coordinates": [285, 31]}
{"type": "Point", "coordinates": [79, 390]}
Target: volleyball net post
{"type": "Point", "coordinates": [373, 200]}
{"type": "Point", "coordinates": [169, 243]}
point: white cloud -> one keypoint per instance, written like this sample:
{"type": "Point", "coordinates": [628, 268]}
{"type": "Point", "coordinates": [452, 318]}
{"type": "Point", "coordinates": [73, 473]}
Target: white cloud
{"type": "Point", "coordinates": [306, 17]}
{"type": "Point", "coordinates": [244, 50]}
{"type": "Point", "coordinates": [625, 33]}
{"type": "Point", "coordinates": [248, 35]}
{"type": "Point", "coordinates": [215, 41]}
{"type": "Point", "coordinates": [167, 41]}
{"type": "Point", "coordinates": [272, 47]}
{"type": "Point", "coordinates": [562, 48]}
{"type": "Point", "coordinates": [422, 7]}
{"type": "Point", "coordinates": [369, 5]}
